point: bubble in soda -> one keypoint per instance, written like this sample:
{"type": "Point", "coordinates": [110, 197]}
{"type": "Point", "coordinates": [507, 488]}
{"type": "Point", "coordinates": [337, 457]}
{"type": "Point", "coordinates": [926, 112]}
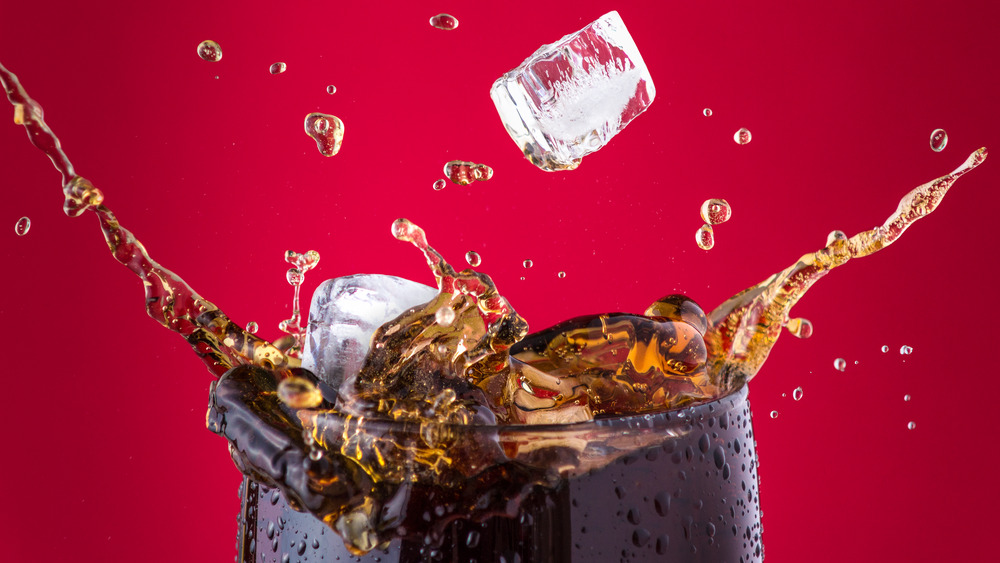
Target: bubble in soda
{"type": "Point", "coordinates": [742, 136]}
{"type": "Point", "coordinates": [705, 237]}
{"type": "Point", "coordinates": [326, 130]}
{"type": "Point", "coordinates": [277, 68]}
{"type": "Point", "coordinates": [939, 140]}
{"type": "Point", "coordinates": [22, 226]}
{"type": "Point", "coordinates": [445, 316]}
{"type": "Point", "coordinates": [446, 22]}
{"type": "Point", "coordinates": [210, 51]}
{"type": "Point", "coordinates": [716, 211]}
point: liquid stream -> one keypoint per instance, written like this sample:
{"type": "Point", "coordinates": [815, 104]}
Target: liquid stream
{"type": "Point", "coordinates": [463, 358]}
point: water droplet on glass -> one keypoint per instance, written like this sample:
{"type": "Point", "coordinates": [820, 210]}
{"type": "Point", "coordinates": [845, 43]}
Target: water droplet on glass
{"type": "Point", "coordinates": [440, 184]}
{"type": "Point", "coordinates": [252, 327]}
{"type": "Point", "coordinates": [326, 130]}
{"type": "Point", "coordinates": [473, 258]}
{"type": "Point", "coordinates": [707, 112]}
{"type": "Point", "coordinates": [444, 316]}
{"type": "Point", "coordinates": [906, 398]}
{"type": "Point", "coordinates": [528, 263]}
{"type": "Point", "coordinates": [22, 226]}
{"type": "Point", "coordinates": [835, 236]}
{"type": "Point", "coordinates": [742, 136]}
{"type": "Point", "coordinates": [705, 237]}
{"type": "Point", "coordinates": [277, 68]}
{"type": "Point", "coordinates": [774, 414]}
{"type": "Point", "coordinates": [446, 22]}
{"type": "Point", "coordinates": [939, 140]}
{"type": "Point", "coordinates": [885, 348]}
{"type": "Point", "coordinates": [561, 274]}
{"type": "Point", "coordinates": [210, 51]}
{"type": "Point", "coordinates": [797, 394]}
{"type": "Point", "coordinates": [716, 211]}
{"type": "Point", "coordinates": [911, 425]}
{"type": "Point", "coordinates": [906, 350]}
{"type": "Point", "coordinates": [331, 89]}
{"type": "Point", "coordinates": [800, 328]}
{"type": "Point", "coordinates": [840, 364]}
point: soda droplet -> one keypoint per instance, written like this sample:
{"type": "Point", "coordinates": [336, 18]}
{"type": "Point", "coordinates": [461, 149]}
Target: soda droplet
{"type": "Point", "coordinates": [834, 236]}
{"type": "Point", "coordinates": [561, 274]}
{"type": "Point", "coordinates": [885, 348]}
{"type": "Point", "coordinates": [331, 89]}
{"type": "Point", "coordinates": [840, 364]}
{"type": "Point", "coordinates": [801, 328]}
{"type": "Point", "coordinates": [528, 263]}
{"type": "Point", "coordinates": [906, 398]}
{"type": "Point", "coordinates": [742, 136]}
{"type": "Point", "coordinates": [294, 276]}
{"type": "Point", "coordinates": [252, 327]}
{"type": "Point", "coordinates": [705, 237]}
{"type": "Point", "coordinates": [473, 258]}
{"type": "Point", "coordinates": [327, 131]}
{"type": "Point", "coordinates": [22, 226]}
{"type": "Point", "coordinates": [277, 68]}
{"type": "Point", "coordinates": [911, 425]}
{"type": "Point", "coordinates": [906, 350]}
{"type": "Point", "coordinates": [444, 316]}
{"type": "Point", "coordinates": [797, 394]}
{"type": "Point", "coordinates": [774, 414]}
{"type": "Point", "coordinates": [210, 51]}
{"type": "Point", "coordinates": [716, 211]}
{"type": "Point", "coordinates": [939, 140]}
{"type": "Point", "coordinates": [464, 173]}
{"type": "Point", "coordinates": [446, 22]}
{"type": "Point", "coordinates": [440, 184]}
{"type": "Point", "coordinates": [707, 112]}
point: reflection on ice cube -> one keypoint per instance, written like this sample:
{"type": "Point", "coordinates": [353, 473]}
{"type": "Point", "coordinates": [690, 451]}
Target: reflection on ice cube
{"type": "Point", "coordinates": [571, 97]}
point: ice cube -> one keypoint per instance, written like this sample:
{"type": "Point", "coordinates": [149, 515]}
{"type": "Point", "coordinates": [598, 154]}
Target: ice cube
{"type": "Point", "coordinates": [345, 312]}
{"type": "Point", "coordinates": [571, 97]}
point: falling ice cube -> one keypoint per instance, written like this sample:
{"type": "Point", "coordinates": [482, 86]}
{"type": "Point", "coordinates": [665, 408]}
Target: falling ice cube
{"type": "Point", "coordinates": [571, 97]}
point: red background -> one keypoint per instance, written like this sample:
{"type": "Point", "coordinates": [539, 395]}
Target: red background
{"type": "Point", "coordinates": [207, 163]}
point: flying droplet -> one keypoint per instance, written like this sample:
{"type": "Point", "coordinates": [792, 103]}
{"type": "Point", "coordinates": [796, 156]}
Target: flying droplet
{"type": "Point", "coordinates": [800, 328]}
{"type": "Point", "coordinates": [907, 398]}
{"type": "Point", "coordinates": [774, 414]}
{"type": "Point", "coordinates": [561, 274]}
{"type": "Point", "coordinates": [705, 237]}
{"type": "Point", "coordinates": [252, 327]}
{"type": "Point", "coordinates": [464, 173]}
{"type": "Point", "coordinates": [473, 258]}
{"type": "Point", "coordinates": [210, 51]}
{"type": "Point", "coordinates": [885, 348]}
{"type": "Point", "coordinates": [299, 393]}
{"type": "Point", "coordinates": [444, 316]}
{"type": "Point", "coordinates": [440, 184]}
{"type": "Point", "coordinates": [939, 140]}
{"type": "Point", "coordinates": [528, 263]}
{"type": "Point", "coordinates": [716, 211]}
{"type": "Point", "coordinates": [305, 261]}
{"type": "Point", "coordinates": [22, 226]}
{"type": "Point", "coordinates": [742, 136]}
{"type": "Point", "coordinates": [277, 68]}
{"type": "Point", "coordinates": [294, 276]}
{"type": "Point", "coordinates": [840, 364]}
{"type": "Point", "coordinates": [331, 89]}
{"type": "Point", "coordinates": [911, 425]}
{"type": "Point", "coordinates": [326, 130]}
{"type": "Point", "coordinates": [797, 394]}
{"type": "Point", "coordinates": [446, 22]}
{"type": "Point", "coordinates": [906, 350]}
{"type": "Point", "coordinates": [835, 236]}
{"type": "Point", "coordinates": [707, 112]}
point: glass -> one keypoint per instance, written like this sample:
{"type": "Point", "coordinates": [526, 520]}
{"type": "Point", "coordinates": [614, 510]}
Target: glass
{"type": "Point", "coordinates": [684, 487]}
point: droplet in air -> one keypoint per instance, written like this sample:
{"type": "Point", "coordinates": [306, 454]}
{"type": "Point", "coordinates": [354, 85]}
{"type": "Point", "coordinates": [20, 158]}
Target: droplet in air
{"type": "Point", "coordinates": [939, 140]}
{"type": "Point", "coordinates": [705, 237]}
{"type": "Point", "coordinates": [774, 414]}
{"type": "Point", "coordinates": [252, 327]}
{"type": "Point", "coordinates": [210, 51]}
{"type": "Point", "coordinates": [331, 89]}
{"type": "Point", "coordinates": [707, 112]}
{"type": "Point", "coordinates": [716, 211]}
{"type": "Point", "coordinates": [907, 398]}
{"type": "Point", "coordinates": [294, 276]}
{"type": "Point", "coordinates": [22, 226]}
{"type": "Point", "coordinates": [528, 263]}
{"type": "Point", "coordinates": [464, 173]}
{"type": "Point", "coordinates": [800, 328]}
{"type": "Point", "coordinates": [446, 22]}
{"type": "Point", "coordinates": [444, 316]}
{"type": "Point", "coordinates": [742, 136]}
{"type": "Point", "coordinates": [473, 258]}
{"type": "Point", "coordinates": [906, 350]}
{"type": "Point", "coordinates": [326, 130]}
{"type": "Point", "coordinates": [797, 394]}
{"type": "Point", "coordinates": [911, 425]}
{"type": "Point", "coordinates": [440, 184]}
{"type": "Point", "coordinates": [834, 236]}
{"type": "Point", "coordinates": [840, 364]}
{"type": "Point", "coordinates": [561, 274]}
{"type": "Point", "coordinates": [277, 68]}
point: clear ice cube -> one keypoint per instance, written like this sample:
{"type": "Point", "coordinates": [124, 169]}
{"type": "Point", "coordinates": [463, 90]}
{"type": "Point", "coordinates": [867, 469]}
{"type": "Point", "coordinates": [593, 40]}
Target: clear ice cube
{"type": "Point", "coordinates": [571, 97]}
{"type": "Point", "coordinates": [344, 314]}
